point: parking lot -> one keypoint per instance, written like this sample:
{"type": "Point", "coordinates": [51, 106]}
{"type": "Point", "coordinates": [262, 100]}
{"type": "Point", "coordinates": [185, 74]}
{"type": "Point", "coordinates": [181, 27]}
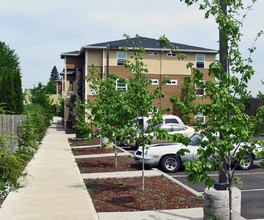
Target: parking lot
{"type": "Point", "coordinates": [252, 189]}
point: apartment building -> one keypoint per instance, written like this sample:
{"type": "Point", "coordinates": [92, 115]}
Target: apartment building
{"type": "Point", "coordinates": [109, 57]}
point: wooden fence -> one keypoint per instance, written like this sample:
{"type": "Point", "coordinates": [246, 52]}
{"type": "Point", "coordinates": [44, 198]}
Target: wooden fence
{"type": "Point", "coordinates": [11, 123]}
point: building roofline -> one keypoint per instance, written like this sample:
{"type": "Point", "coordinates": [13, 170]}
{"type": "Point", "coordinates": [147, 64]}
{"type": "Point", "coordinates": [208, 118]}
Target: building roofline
{"type": "Point", "coordinates": [148, 44]}
{"type": "Point", "coordinates": [153, 49]}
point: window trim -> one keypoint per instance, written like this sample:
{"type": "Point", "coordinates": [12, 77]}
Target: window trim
{"type": "Point", "coordinates": [152, 53]}
{"type": "Point", "coordinates": [200, 89]}
{"type": "Point", "coordinates": [171, 54]}
{"type": "Point", "coordinates": [121, 88]}
{"type": "Point", "coordinates": [121, 61]}
{"type": "Point", "coordinates": [153, 83]}
{"type": "Point", "coordinates": [199, 115]}
{"type": "Point", "coordinates": [198, 62]}
{"type": "Point", "coordinates": [173, 82]}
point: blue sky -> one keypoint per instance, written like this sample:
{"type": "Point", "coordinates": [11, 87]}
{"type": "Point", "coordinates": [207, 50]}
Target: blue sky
{"type": "Point", "coordinates": [40, 30]}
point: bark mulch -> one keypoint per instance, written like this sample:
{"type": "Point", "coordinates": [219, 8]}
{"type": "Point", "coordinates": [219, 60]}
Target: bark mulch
{"type": "Point", "coordinates": [74, 142]}
{"type": "Point", "coordinates": [125, 194]}
{"type": "Point", "coordinates": [107, 164]}
{"type": "Point", "coordinates": [94, 150]}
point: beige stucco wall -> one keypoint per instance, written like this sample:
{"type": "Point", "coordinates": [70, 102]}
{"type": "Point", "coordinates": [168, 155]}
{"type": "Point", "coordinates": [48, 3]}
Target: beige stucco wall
{"type": "Point", "coordinates": [161, 63]}
{"type": "Point", "coordinates": [95, 57]}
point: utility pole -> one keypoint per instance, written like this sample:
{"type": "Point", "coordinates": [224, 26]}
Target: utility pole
{"type": "Point", "coordinates": [222, 183]}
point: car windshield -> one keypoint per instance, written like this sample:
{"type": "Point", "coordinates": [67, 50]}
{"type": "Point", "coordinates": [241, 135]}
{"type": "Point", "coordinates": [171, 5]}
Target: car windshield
{"type": "Point", "coordinates": [138, 123]}
{"type": "Point", "coordinates": [196, 139]}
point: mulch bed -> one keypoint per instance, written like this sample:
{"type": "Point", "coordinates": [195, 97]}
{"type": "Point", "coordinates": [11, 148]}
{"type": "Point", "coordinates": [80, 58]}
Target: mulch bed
{"type": "Point", "coordinates": [107, 164]}
{"type": "Point", "coordinates": [125, 194]}
{"type": "Point", "coordinates": [74, 142]}
{"type": "Point", "coordinates": [94, 150]}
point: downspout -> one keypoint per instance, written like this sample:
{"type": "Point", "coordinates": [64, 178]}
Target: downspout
{"type": "Point", "coordinates": [65, 93]}
{"type": "Point", "coordinates": [86, 84]}
{"type": "Point", "coordinates": [103, 66]}
{"type": "Point", "coordinates": [160, 78]}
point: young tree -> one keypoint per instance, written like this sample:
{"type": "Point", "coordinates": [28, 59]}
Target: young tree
{"type": "Point", "coordinates": [50, 88]}
{"type": "Point", "coordinates": [40, 97]}
{"type": "Point", "coordinates": [114, 110]}
{"type": "Point", "coordinates": [226, 112]}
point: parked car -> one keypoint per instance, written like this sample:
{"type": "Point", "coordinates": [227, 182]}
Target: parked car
{"type": "Point", "coordinates": [171, 128]}
{"type": "Point", "coordinates": [163, 155]}
{"type": "Point", "coordinates": [145, 122]}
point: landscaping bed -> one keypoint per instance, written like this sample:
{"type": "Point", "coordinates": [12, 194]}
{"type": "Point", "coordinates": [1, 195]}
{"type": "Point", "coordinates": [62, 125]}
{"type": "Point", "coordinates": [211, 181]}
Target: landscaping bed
{"type": "Point", "coordinates": [94, 150]}
{"type": "Point", "coordinates": [125, 194]}
{"type": "Point", "coordinates": [77, 142]}
{"type": "Point", "coordinates": [107, 164]}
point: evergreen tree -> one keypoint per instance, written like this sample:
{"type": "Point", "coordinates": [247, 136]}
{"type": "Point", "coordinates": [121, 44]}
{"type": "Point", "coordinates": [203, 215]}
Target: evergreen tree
{"type": "Point", "coordinates": [18, 93]}
{"type": "Point", "coordinates": [51, 85]}
{"type": "Point", "coordinates": [7, 97]}
{"type": "Point", "coordinates": [8, 59]}
{"type": "Point", "coordinates": [10, 87]}
{"type": "Point", "coordinates": [54, 74]}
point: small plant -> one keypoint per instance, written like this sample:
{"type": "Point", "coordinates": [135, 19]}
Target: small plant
{"type": "Point", "coordinates": [179, 198]}
{"type": "Point", "coordinates": [90, 190]}
{"type": "Point", "coordinates": [121, 184]}
{"type": "Point", "coordinates": [5, 188]}
{"type": "Point", "coordinates": [198, 198]}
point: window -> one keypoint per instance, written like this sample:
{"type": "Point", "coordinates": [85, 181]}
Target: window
{"type": "Point", "coordinates": [121, 86]}
{"type": "Point", "coordinates": [172, 82]}
{"type": "Point", "coordinates": [178, 128]}
{"type": "Point", "coordinates": [154, 82]}
{"type": "Point", "coordinates": [171, 120]}
{"type": "Point", "coordinates": [200, 118]}
{"type": "Point", "coordinates": [199, 91]}
{"type": "Point", "coordinates": [121, 57]}
{"type": "Point", "coordinates": [152, 53]}
{"type": "Point", "coordinates": [200, 58]}
{"type": "Point", "coordinates": [95, 91]}
{"type": "Point", "coordinates": [171, 54]}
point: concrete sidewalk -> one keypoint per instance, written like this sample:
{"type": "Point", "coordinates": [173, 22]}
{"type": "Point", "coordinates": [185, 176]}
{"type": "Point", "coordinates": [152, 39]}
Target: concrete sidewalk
{"type": "Point", "coordinates": [54, 188]}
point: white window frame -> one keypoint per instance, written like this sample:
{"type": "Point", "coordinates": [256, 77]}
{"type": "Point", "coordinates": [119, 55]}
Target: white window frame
{"type": "Point", "coordinates": [121, 60]}
{"type": "Point", "coordinates": [95, 92]}
{"type": "Point", "coordinates": [200, 117]}
{"type": "Point", "coordinates": [172, 82]}
{"type": "Point", "coordinates": [154, 82]}
{"type": "Point", "coordinates": [171, 54]}
{"type": "Point", "coordinates": [121, 86]}
{"type": "Point", "coordinates": [152, 53]}
{"type": "Point", "coordinates": [200, 89]}
{"type": "Point", "coordinates": [200, 61]}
